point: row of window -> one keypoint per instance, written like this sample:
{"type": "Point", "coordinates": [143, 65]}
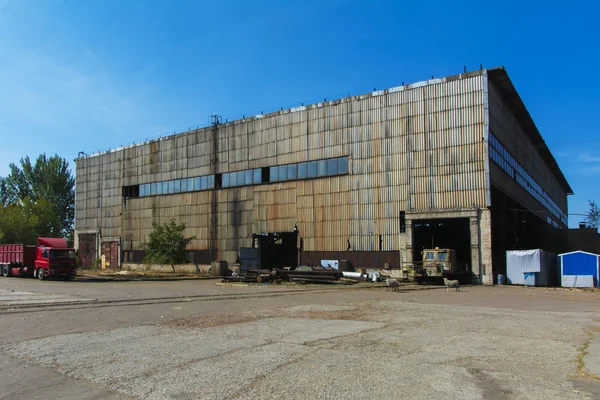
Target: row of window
{"type": "Point", "coordinates": [177, 186]}
{"type": "Point", "coordinates": [281, 173]}
{"type": "Point", "coordinates": [501, 156]}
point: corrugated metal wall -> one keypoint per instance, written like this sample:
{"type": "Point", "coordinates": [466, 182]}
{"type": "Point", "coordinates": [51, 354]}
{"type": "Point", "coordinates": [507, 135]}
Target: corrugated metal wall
{"type": "Point", "coordinates": [418, 147]}
{"type": "Point", "coordinates": [509, 131]}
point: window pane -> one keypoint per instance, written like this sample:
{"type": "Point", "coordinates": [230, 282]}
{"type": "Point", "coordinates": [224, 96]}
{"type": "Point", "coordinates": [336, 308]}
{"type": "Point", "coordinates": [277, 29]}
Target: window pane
{"type": "Point", "coordinates": [184, 185]}
{"type": "Point", "coordinates": [225, 180]}
{"type": "Point", "coordinates": [153, 188]}
{"type": "Point", "coordinates": [210, 182]}
{"type": "Point", "coordinates": [274, 175]}
{"type": "Point", "coordinates": [197, 183]}
{"type": "Point", "coordinates": [312, 169]}
{"type": "Point", "coordinates": [302, 171]}
{"type": "Point", "coordinates": [321, 167]}
{"type": "Point", "coordinates": [203, 183]}
{"type": "Point", "coordinates": [332, 167]}
{"type": "Point", "coordinates": [233, 179]}
{"type": "Point", "coordinates": [171, 187]}
{"type": "Point", "coordinates": [176, 186]}
{"type": "Point", "coordinates": [292, 172]}
{"type": "Point", "coordinates": [190, 184]}
{"type": "Point", "coordinates": [165, 187]}
{"type": "Point", "coordinates": [283, 173]}
{"type": "Point", "coordinates": [342, 165]}
{"type": "Point", "coordinates": [248, 179]}
{"type": "Point", "coordinates": [141, 190]}
{"type": "Point", "coordinates": [257, 175]}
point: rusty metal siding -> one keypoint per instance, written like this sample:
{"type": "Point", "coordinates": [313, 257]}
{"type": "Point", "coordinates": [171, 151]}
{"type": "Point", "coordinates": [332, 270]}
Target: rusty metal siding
{"type": "Point", "coordinates": [417, 147]}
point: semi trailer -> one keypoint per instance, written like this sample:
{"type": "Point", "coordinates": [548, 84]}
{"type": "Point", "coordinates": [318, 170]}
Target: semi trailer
{"type": "Point", "coordinates": [49, 258]}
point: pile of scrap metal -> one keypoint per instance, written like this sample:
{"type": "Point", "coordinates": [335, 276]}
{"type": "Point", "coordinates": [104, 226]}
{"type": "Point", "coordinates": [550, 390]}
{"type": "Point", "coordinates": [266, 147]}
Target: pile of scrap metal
{"type": "Point", "coordinates": [253, 276]}
{"type": "Point", "coordinates": [302, 274]}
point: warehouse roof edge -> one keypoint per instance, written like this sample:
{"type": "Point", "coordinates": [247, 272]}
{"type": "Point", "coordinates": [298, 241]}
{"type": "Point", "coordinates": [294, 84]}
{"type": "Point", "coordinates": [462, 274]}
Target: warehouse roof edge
{"type": "Point", "coordinates": [497, 75]}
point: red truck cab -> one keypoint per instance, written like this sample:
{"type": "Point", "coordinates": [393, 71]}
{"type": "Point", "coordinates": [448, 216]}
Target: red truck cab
{"type": "Point", "coordinates": [49, 258]}
{"type": "Point", "coordinates": [54, 259]}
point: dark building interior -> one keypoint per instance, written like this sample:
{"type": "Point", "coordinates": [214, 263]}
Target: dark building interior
{"type": "Point", "coordinates": [450, 233]}
{"type": "Point", "coordinates": [516, 228]}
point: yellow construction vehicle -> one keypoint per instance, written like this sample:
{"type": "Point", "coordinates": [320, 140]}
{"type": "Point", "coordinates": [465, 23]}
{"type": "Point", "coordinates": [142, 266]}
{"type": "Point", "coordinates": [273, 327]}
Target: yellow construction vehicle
{"type": "Point", "coordinates": [436, 264]}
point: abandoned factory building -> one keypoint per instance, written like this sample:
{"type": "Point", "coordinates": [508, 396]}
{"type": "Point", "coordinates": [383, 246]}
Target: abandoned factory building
{"type": "Point", "coordinates": [455, 162]}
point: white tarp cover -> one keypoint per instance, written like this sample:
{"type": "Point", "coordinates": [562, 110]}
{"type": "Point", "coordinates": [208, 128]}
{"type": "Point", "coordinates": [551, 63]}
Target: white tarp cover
{"type": "Point", "coordinates": [578, 281]}
{"type": "Point", "coordinates": [530, 267]}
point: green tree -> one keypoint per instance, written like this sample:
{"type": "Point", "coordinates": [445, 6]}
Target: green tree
{"type": "Point", "coordinates": [46, 189]}
{"type": "Point", "coordinates": [17, 225]}
{"type": "Point", "coordinates": [592, 217]}
{"type": "Point", "coordinates": [167, 244]}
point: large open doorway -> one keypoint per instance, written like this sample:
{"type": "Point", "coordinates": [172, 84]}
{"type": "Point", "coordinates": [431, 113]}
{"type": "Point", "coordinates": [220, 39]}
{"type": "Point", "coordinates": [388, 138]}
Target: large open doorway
{"type": "Point", "coordinates": [451, 233]}
{"type": "Point", "coordinates": [514, 227]}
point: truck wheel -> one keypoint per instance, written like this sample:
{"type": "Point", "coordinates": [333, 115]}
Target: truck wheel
{"type": "Point", "coordinates": [5, 271]}
{"type": "Point", "coordinates": [40, 274]}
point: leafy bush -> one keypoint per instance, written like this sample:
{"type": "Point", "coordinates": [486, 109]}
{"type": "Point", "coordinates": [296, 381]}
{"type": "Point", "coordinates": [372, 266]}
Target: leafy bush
{"type": "Point", "coordinates": [167, 244]}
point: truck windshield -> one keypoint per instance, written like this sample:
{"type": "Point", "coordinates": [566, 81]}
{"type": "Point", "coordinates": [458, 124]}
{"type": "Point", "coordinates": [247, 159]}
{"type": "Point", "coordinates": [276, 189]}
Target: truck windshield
{"type": "Point", "coordinates": [62, 255]}
{"type": "Point", "coordinates": [442, 256]}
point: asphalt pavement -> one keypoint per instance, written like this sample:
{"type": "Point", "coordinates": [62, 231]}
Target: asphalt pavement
{"type": "Point", "coordinates": [197, 339]}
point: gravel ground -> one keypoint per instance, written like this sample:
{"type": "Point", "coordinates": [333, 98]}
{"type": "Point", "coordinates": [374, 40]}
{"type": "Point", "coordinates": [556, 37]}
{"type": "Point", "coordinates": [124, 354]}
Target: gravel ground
{"type": "Point", "coordinates": [382, 349]}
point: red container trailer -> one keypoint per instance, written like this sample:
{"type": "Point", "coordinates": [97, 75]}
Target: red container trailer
{"type": "Point", "coordinates": [49, 258]}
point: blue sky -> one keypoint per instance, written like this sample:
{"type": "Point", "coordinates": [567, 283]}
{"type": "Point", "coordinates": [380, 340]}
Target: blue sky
{"type": "Point", "coordinates": [84, 75]}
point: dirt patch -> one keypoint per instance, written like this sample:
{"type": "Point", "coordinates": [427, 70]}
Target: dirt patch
{"type": "Point", "coordinates": [356, 312]}
{"type": "Point", "coordinates": [356, 315]}
{"type": "Point", "coordinates": [325, 312]}
{"type": "Point", "coordinates": [490, 387]}
{"type": "Point", "coordinates": [211, 321]}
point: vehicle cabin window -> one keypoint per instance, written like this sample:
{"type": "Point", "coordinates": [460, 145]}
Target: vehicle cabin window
{"type": "Point", "coordinates": [429, 255]}
{"type": "Point", "coordinates": [442, 256]}
{"type": "Point", "coordinates": [44, 253]}
{"type": "Point", "coordinates": [62, 255]}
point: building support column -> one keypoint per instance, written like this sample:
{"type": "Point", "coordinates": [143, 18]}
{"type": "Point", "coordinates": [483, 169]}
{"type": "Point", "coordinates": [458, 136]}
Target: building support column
{"type": "Point", "coordinates": [485, 246]}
